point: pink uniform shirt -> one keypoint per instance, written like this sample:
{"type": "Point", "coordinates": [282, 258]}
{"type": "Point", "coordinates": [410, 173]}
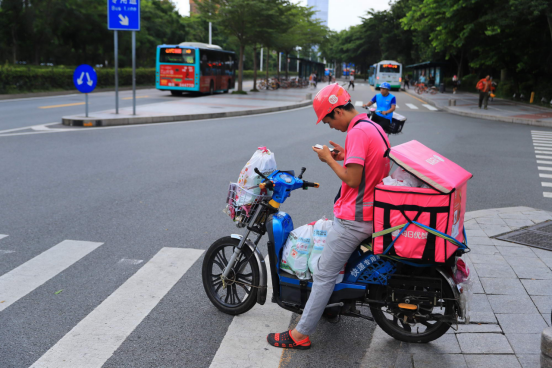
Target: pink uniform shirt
{"type": "Point", "coordinates": [363, 146]}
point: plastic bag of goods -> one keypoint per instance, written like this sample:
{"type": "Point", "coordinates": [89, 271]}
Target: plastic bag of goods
{"type": "Point", "coordinates": [404, 178]}
{"type": "Point", "coordinates": [296, 252]}
{"type": "Point", "coordinates": [264, 160]}
{"type": "Point", "coordinates": [319, 235]}
{"type": "Point", "coordinates": [463, 278]}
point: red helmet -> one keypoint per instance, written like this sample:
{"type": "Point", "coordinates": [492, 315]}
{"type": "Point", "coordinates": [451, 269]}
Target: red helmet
{"type": "Point", "coordinates": [328, 98]}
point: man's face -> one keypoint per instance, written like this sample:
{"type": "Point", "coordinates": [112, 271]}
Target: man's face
{"type": "Point", "coordinates": [338, 122]}
{"type": "Point", "coordinates": [488, 77]}
{"type": "Point", "coordinates": [384, 92]}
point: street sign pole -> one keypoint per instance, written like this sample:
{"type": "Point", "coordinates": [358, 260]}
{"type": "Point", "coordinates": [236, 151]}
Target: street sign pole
{"type": "Point", "coordinates": [86, 98]}
{"type": "Point", "coordinates": [133, 72]}
{"type": "Point", "coordinates": [116, 72]}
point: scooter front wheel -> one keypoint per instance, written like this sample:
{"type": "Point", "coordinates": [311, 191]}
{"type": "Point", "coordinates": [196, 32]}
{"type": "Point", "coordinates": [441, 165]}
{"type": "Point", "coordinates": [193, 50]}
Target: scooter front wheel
{"type": "Point", "coordinates": [238, 292]}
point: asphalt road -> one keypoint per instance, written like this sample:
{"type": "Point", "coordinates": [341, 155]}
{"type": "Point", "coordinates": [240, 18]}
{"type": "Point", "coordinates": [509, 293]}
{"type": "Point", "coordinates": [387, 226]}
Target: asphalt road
{"type": "Point", "coordinates": [138, 189]}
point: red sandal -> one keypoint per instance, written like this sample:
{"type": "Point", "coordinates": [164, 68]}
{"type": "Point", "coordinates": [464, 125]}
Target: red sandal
{"type": "Point", "coordinates": [285, 340]}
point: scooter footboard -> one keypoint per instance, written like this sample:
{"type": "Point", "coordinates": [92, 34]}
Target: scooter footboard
{"type": "Point", "coordinates": [296, 292]}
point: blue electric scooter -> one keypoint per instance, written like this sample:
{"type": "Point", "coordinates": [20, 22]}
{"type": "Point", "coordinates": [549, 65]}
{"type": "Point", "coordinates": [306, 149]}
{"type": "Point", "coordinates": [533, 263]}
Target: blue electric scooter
{"type": "Point", "coordinates": [409, 301]}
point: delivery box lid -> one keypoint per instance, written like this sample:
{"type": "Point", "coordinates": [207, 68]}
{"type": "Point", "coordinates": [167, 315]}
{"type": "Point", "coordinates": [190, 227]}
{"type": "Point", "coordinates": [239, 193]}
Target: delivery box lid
{"type": "Point", "coordinates": [427, 165]}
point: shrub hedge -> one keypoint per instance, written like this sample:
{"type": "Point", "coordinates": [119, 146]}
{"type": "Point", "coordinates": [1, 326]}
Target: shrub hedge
{"type": "Point", "coordinates": [33, 79]}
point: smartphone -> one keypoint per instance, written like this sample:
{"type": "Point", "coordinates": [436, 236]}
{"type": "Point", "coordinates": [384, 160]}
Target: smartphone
{"type": "Point", "coordinates": [319, 146]}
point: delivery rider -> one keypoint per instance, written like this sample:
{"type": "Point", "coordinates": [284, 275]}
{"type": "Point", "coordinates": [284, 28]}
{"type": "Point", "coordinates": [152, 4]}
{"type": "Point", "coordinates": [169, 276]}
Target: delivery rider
{"type": "Point", "coordinates": [387, 103]}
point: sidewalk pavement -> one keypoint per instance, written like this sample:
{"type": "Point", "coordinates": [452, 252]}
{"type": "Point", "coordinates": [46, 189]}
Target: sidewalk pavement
{"type": "Point", "coordinates": [202, 107]}
{"type": "Point", "coordinates": [467, 104]}
{"type": "Point", "coordinates": [510, 308]}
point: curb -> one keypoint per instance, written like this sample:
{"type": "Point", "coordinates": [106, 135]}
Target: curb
{"type": "Point", "coordinates": [64, 93]}
{"type": "Point", "coordinates": [91, 122]}
{"type": "Point", "coordinates": [484, 116]}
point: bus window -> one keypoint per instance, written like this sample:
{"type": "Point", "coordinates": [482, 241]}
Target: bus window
{"type": "Point", "coordinates": [177, 56]}
{"type": "Point", "coordinates": [389, 68]}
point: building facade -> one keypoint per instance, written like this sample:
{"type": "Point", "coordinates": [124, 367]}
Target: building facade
{"type": "Point", "coordinates": [321, 7]}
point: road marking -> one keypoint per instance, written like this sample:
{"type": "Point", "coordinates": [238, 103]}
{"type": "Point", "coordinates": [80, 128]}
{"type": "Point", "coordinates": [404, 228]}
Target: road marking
{"type": "Point", "coordinates": [2, 236]}
{"type": "Point", "coordinates": [542, 144]}
{"type": "Point", "coordinates": [127, 261]}
{"type": "Point", "coordinates": [130, 98]}
{"type": "Point", "coordinates": [65, 105]}
{"type": "Point", "coordinates": [2, 251]}
{"type": "Point", "coordinates": [412, 106]}
{"type": "Point", "coordinates": [544, 132]}
{"type": "Point", "coordinates": [24, 128]}
{"type": "Point", "coordinates": [244, 344]}
{"type": "Point", "coordinates": [94, 339]}
{"type": "Point", "coordinates": [547, 194]}
{"type": "Point", "coordinates": [359, 103]}
{"type": "Point", "coordinates": [545, 168]}
{"type": "Point", "coordinates": [544, 162]}
{"type": "Point", "coordinates": [545, 152]}
{"type": "Point", "coordinates": [22, 280]}
{"type": "Point", "coordinates": [429, 107]}
{"type": "Point", "coordinates": [548, 176]}
{"type": "Point", "coordinates": [416, 98]}
{"type": "Point", "coordinates": [541, 140]}
{"type": "Point", "coordinates": [545, 157]}
{"type": "Point", "coordinates": [546, 184]}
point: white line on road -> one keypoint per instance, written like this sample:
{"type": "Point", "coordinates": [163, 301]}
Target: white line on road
{"type": "Point", "coordinates": [359, 103]}
{"type": "Point", "coordinates": [542, 140]}
{"type": "Point", "coordinates": [542, 145]}
{"type": "Point", "coordinates": [545, 157]}
{"type": "Point", "coordinates": [94, 340]}
{"type": "Point", "coordinates": [544, 162]}
{"type": "Point", "coordinates": [2, 251]}
{"type": "Point", "coordinates": [545, 152]}
{"type": "Point", "coordinates": [547, 176]}
{"type": "Point", "coordinates": [429, 107]}
{"type": "Point", "coordinates": [244, 344]}
{"type": "Point", "coordinates": [24, 128]}
{"type": "Point", "coordinates": [544, 132]}
{"type": "Point", "coordinates": [545, 168]}
{"type": "Point", "coordinates": [541, 136]}
{"type": "Point", "coordinates": [2, 236]}
{"type": "Point", "coordinates": [413, 107]}
{"type": "Point", "coordinates": [546, 184]}
{"type": "Point", "coordinates": [544, 148]}
{"type": "Point", "coordinates": [547, 194]}
{"type": "Point", "coordinates": [128, 261]}
{"type": "Point", "coordinates": [22, 280]}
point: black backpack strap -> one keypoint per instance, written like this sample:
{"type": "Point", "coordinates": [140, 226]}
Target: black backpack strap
{"type": "Point", "coordinates": [386, 154]}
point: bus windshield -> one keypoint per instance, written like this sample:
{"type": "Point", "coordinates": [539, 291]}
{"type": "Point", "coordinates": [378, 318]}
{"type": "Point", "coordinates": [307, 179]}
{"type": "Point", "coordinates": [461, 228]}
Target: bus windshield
{"type": "Point", "coordinates": [389, 68]}
{"type": "Point", "coordinates": [177, 56]}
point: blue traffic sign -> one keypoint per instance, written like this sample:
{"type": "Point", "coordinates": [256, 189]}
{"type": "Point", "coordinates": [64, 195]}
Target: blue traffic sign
{"type": "Point", "coordinates": [85, 78]}
{"type": "Point", "coordinates": [123, 15]}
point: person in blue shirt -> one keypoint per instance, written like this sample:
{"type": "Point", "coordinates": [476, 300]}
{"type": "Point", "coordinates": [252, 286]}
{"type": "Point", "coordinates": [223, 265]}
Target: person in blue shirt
{"type": "Point", "coordinates": [387, 103]}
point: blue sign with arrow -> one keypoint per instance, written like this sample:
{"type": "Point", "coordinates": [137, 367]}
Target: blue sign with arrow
{"type": "Point", "coordinates": [123, 15]}
{"type": "Point", "coordinates": [85, 78]}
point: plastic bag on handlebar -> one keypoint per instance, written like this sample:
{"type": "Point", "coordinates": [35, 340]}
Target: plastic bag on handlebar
{"type": "Point", "coordinates": [264, 160]}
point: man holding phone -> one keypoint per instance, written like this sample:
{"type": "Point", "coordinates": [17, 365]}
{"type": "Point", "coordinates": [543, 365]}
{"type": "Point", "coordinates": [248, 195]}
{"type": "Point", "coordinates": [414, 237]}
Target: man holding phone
{"type": "Point", "coordinates": [365, 165]}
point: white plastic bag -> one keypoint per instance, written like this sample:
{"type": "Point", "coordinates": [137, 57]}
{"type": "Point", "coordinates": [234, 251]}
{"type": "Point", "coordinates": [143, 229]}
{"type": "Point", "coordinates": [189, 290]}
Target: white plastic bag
{"type": "Point", "coordinates": [463, 277]}
{"type": "Point", "coordinates": [263, 160]}
{"type": "Point", "coordinates": [319, 234]}
{"type": "Point", "coordinates": [407, 178]}
{"type": "Point", "coordinates": [296, 252]}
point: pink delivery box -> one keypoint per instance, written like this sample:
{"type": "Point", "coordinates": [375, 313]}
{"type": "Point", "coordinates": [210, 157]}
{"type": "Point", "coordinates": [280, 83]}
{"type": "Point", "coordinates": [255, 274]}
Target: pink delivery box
{"type": "Point", "coordinates": [440, 207]}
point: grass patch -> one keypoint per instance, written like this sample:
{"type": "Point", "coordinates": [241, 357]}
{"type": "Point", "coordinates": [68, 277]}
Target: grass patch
{"type": "Point", "coordinates": [239, 92]}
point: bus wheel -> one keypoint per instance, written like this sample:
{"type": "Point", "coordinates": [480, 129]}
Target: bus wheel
{"type": "Point", "coordinates": [176, 93]}
{"type": "Point", "coordinates": [212, 88]}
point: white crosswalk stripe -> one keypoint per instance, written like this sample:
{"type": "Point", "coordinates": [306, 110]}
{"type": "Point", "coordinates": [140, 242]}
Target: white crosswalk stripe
{"type": "Point", "coordinates": [359, 103]}
{"type": "Point", "coordinates": [244, 344]}
{"type": "Point", "coordinates": [413, 107]}
{"type": "Point", "coordinates": [429, 107]}
{"type": "Point", "coordinates": [95, 338]}
{"type": "Point", "coordinates": [2, 236]}
{"type": "Point", "coordinates": [22, 280]}
{"type": "Point", "coordinates": [542, 143]}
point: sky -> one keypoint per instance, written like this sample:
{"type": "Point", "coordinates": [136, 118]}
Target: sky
{"type": "Point", "coordinates": [342, 13]}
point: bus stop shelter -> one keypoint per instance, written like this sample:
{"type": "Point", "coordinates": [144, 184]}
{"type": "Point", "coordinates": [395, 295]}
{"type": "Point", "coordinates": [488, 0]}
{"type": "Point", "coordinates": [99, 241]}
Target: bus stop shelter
{"type": "Point", "coordinates": [429, 68]}
{"type": "Point", "coordinates": [305, 67]}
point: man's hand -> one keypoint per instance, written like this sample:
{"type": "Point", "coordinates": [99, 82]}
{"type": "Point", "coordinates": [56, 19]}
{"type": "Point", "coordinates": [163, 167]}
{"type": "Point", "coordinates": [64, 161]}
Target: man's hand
{"type": "Point", "coordinates": [338, 156]}
{"type": "Point", "coordinates": [324, 154]}
{"type": "Point", "coordinates": [383, 112]}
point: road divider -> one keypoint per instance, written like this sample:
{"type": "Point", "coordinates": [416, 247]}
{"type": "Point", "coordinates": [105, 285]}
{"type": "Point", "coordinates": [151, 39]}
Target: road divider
{"type": "Point", "coordinates": [64, 105]}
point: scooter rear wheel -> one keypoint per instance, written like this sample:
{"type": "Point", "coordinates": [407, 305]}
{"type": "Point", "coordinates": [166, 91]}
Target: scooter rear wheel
{"type": "Point", "coordinates": [238, 293]}
{"type": "Point", "coordinates": [391, 321]}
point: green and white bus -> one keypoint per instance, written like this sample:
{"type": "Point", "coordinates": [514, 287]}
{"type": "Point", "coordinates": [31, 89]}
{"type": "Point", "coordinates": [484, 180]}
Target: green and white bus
{"type": "Point", "coordinates": [388, 71]}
